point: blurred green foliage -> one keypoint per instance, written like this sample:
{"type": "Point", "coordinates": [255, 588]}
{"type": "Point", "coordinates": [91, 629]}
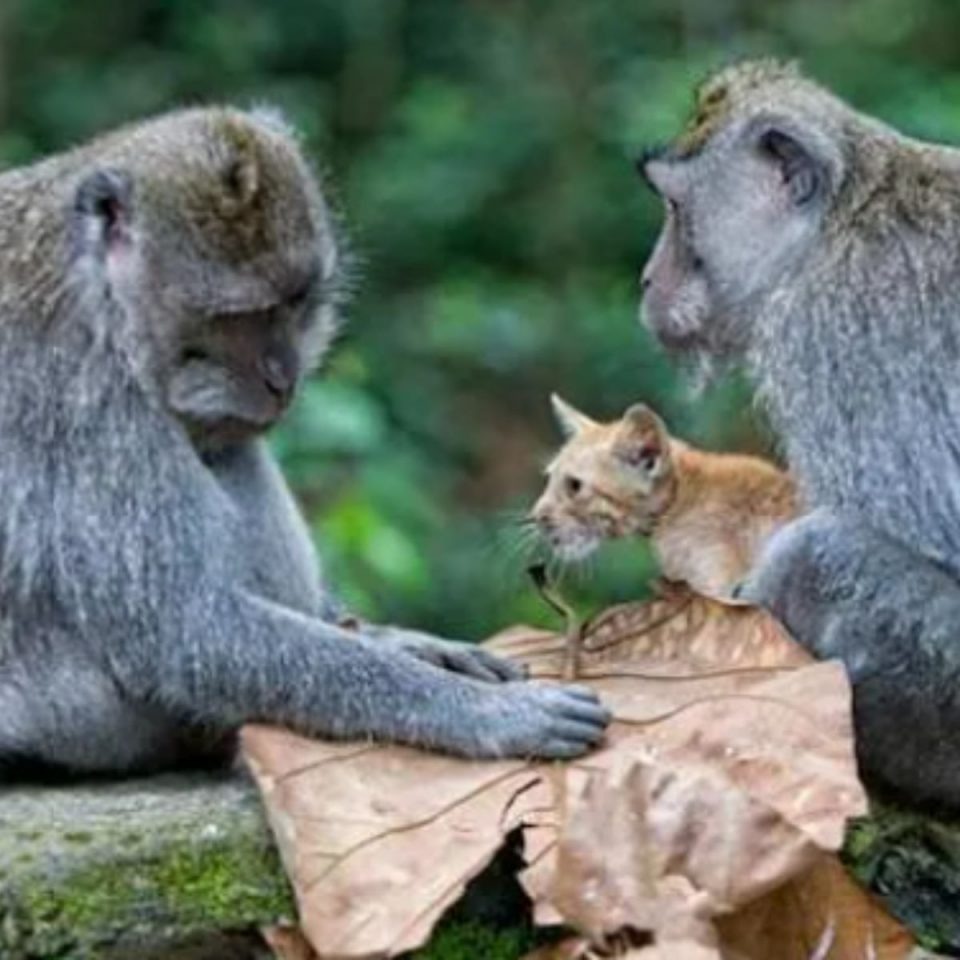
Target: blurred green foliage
{"type": "Point", "coordinates": [481, 153]}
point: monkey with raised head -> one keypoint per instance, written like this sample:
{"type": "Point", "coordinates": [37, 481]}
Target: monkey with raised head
{"type": "Point", "coordinates": [823, 248]}
{"type": "Point", "coordinates": [162, 292]}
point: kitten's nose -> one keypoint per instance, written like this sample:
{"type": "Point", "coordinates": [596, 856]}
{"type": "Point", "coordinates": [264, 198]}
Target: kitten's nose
{"type": "Point", "coordinates": [540, 515]}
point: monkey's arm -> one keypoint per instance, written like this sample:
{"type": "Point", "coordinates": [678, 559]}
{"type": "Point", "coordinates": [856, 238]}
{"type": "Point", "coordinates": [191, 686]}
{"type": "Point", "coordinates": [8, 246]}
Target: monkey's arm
{"type": "Point", "coordinates": [274, 528]}
{"type": "Point", "coordinates": [893, 618]}
{"type": "Point", "coordinates": [257, 661]}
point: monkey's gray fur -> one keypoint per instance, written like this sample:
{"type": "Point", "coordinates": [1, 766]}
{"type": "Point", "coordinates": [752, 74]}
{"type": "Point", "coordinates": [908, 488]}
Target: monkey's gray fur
{"type": "Point", "coordinates": [846, 592]}
{"type": "Point", "coordinates": [162, 290]}
{"type": "Point", "coordinates": [824, 248]}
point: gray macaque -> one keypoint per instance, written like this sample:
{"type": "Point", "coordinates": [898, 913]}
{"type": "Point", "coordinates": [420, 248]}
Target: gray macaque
{"type": "Point", "coordinates": [823, 248]}
{"type": "Point", "coordinates": [162, 292]}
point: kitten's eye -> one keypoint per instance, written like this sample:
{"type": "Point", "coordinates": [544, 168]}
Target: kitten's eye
{"type": "Point", "coordinates": [646, 458]}
{"type": "Point", "coordinates": [572, 486]}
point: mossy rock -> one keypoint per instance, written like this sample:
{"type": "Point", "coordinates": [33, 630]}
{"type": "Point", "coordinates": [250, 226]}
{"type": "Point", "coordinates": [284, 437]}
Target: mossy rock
{"type": "Point", "coordinates": [111, 871]}
{"type": "Point", "coordinates": [912, 862]}
{"type": "Point", "coordinates": [103, 870]}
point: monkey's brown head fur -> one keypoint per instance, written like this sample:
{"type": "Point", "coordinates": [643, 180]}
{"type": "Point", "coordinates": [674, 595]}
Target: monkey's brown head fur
{"type": "Point", "coordinates": [768, 163]}
{"type": "Point", "coordinates": [207, 251]}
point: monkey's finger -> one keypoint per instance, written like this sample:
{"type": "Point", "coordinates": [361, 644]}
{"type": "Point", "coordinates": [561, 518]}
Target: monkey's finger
{"type": "Point", "coordinates": [479, 664]}
{"type": "Point", "coordinates": [470, 666]}
{"type": "Point", "coordinates": [584, 732]}
{"type": "Point", "coordinates": [502, 669]}
{"type": "Point", "coordinates": [572, 692]}
{"type": "Point", "coordinates": [580, 692]}
{"type": "Point", "coordinates": [557, 748]}
{"type": "Point", "coordinates": [585, 710]}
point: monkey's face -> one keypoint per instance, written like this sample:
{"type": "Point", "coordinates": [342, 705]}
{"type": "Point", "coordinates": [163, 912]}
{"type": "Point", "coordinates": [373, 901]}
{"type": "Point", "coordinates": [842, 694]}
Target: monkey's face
{"type": "Point", "coordinates": [744, 191]}
{"type": "Point", "coordinates": [234, 375]}
{"type": "Point", "coordinates": [221, 269]}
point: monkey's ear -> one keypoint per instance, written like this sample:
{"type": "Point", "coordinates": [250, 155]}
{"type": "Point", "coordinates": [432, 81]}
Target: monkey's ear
{"type": "Point", "coordinates": [241, 179]}
{"type": "Point", "coordinates": [570, 420]}
{"type": "Point", "coordinates": [642, 440]}
{"type": "Point", "coordinates": [803, 174]}
{"type": "Point", "coordinates": [103, 205]}
{"type": "Point", "coordinates": [241, 173]}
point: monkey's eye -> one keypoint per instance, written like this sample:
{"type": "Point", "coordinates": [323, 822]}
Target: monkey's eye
{"type": "Point", "coordinates": [192, 355]}
{"type": "Point", "coordinates": [572, 486]}
{"type": "Point", "coordinates": [302, 294]}
{"type": "Point", "coordinates": [299, 297]}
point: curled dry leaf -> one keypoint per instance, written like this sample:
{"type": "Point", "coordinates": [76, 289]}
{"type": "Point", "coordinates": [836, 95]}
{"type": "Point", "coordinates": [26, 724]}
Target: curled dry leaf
{"type": "Point", "coordinates": [287, 943]}
{"type": "Point", "coordinates": [821, 915]}
{"type": "Point", "coordinates": [728, 769]}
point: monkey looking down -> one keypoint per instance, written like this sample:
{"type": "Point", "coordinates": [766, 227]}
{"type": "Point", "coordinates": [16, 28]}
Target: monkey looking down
{"type": "Point", "coordinates": [162, 292]}
{"type": "Point", "coordinates": [823, 248]}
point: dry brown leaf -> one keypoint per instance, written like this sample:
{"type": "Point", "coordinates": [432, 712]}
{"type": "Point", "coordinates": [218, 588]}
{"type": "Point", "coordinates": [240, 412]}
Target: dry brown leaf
{"type": "Point", "coordinates": [728, 768]}
{"type": "Point", "coordinates": [677, 950]}
{"type": "Point", "coordinates": [821, 915]}
{"type": "Point", "coordinates": [579, 948]}
{"type": "Point", "coordinates": [287, 943]}
{"type": "Point", "coordinates": [380, 841]}
{"type": "Point", "coordinates": [570, 948]}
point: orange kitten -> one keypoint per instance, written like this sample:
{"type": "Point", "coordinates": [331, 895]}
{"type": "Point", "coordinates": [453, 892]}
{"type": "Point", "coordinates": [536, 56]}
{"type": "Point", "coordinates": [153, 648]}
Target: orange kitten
{"type": "Point", "coordinates": [707, 514]}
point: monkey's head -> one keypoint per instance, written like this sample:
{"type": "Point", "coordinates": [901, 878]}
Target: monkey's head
{"type": "Point", "coordinates": [746, 189]}
{"type": "Point", "coordinates": [206, 247]}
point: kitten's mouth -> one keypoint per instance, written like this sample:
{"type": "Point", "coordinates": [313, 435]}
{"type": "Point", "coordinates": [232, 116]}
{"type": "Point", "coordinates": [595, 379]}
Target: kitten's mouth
{"type": "Point", "coordinates": [572, 548]}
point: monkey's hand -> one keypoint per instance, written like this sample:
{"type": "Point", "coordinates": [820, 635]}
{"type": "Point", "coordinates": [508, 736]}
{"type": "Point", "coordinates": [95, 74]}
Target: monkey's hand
{"type": "Point", "coordinates": [465, 658]}
{"type": "Point", "coordinates": [532, 719]}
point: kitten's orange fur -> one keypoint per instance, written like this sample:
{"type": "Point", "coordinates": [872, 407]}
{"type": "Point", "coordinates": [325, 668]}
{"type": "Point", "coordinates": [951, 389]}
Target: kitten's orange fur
{"type": "Point", "coordinates": [707, 514]}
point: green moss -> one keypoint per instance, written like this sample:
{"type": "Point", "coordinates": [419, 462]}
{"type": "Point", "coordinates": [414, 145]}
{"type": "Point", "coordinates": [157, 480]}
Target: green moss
{"type": "Point", "coordinates": [469, 941]}
{"type": "Point", "coordinates": [912, 862]}
{"type": "Point", "coordinates": [202, 888]}
{"type": "Point", "coordinates": [861, 836]}
{"type": "Point", "coordinates": [78, 836]}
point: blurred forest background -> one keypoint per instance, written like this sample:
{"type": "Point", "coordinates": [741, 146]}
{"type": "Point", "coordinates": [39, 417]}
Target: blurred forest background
{"type": "Point", "coordinates": [481, 152]}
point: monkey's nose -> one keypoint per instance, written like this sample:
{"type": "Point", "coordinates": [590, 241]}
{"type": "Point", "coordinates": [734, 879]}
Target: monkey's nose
{"type": "Point", "coordinates": [279, 377]}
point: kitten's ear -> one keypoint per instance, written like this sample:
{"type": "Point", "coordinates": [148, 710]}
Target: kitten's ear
{"type": "Point", "coordinates": [571, 420]}
{"type": "Point", "coordinates": [643, 441]}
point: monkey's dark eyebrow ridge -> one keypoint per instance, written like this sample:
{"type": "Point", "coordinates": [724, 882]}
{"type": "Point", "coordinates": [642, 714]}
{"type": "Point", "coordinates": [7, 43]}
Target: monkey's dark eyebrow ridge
{"type": "Point", "coordinates": [304, 287]}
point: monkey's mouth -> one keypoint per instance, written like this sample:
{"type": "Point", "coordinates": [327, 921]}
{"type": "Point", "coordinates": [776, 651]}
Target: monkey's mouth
{"type": "Point", "coordinates": [223, 405]}
{"type": "Point", "coordinates": [685, 333]}
{"type": "Point", "coordinates": [677, 342]}
{"type": "Point", "coordinates": [226, 432]}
